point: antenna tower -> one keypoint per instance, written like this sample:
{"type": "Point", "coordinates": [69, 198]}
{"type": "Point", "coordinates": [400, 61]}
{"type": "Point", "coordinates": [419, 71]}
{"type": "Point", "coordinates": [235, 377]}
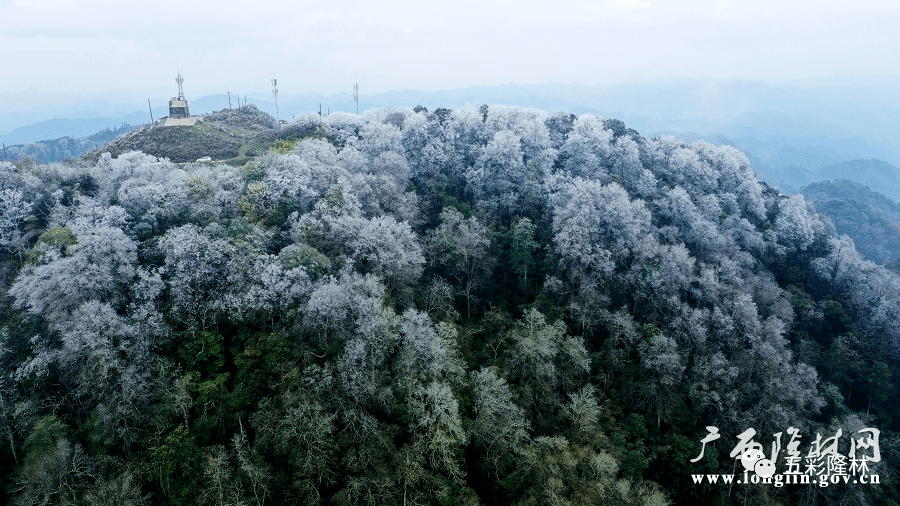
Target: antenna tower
{"type": "Point", "coordinates": [180, 80]}
{"type": "Point", "coordinates": [356, 96]}
{"type": "Point", "coordinates": [275, 92]}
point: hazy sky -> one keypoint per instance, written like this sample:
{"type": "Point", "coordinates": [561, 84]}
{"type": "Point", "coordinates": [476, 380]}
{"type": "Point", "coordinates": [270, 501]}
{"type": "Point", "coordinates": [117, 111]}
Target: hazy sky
{"type": "Point", "coordinates": [72, 47]}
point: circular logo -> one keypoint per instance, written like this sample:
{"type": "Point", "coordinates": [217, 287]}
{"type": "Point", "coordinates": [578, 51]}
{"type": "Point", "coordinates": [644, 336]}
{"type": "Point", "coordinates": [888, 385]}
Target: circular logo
{"type": "Point", "coordinates": [751, 455]}
{"type": "Point", "coordinates": [764, 468]}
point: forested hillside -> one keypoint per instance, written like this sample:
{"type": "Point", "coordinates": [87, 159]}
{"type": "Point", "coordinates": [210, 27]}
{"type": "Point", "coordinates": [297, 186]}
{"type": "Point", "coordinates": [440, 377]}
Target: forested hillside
{"type": "Point", "coordinates": [477, 306]}
{"type": "Point", "coordinates": [57, 150]}
{"type": "Point", "coordinates": [866, 216]}
{"type": "Point", "coordinates": [878, 174]}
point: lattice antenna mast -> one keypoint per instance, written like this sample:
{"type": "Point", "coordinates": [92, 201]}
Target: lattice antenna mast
{"type": "Point", "coordinates": [180, 80]}
{"type": "Point", "coordinates": [356, 96]}
{"type": "Point", "coordinates": [275, 93]}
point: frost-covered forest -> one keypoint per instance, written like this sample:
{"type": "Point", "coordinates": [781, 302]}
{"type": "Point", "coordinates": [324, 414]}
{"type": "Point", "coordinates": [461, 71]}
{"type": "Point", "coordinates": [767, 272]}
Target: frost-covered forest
{"type": "Point", "coordinates": [489, 305]}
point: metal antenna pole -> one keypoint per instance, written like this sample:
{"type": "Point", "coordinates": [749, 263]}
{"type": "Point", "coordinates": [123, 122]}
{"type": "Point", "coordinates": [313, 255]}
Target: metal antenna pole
{"type": "Point", "coordinates": [180, 80]}
{"type": "Point", "coordinates": [356, 96]}
{"type": "Point", "coordinates": [229, 100]}
{"type": "Point", "coordinates": [275, 92]}
{"type": "Point", "coordinates": [151, 110]}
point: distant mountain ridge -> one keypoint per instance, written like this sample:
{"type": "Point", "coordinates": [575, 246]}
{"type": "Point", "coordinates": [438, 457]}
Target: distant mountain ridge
{"type": "Point", "coordinates": [866, 216]}
{"type": "Point", "coordinates": [75, 128]}
{"type": "Point", "coordinates": [818, 112]}
{"type": "Point", "coordinates": [874, 173]}
{"type": "Point", "coordinates": [849, 190]}
{"type": "Point", "coordinates": [57, 150]}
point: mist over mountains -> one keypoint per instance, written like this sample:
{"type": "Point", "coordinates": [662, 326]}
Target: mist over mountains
{"type": "Point", "coordinates": [795, 132]}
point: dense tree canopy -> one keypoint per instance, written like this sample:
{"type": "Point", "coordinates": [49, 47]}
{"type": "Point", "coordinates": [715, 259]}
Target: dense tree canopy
{"type": "Point", "coordinates": [486, 305]}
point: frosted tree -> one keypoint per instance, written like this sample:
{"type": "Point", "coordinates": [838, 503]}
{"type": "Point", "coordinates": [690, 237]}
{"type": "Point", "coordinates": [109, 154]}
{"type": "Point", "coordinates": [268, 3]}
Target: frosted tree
{"type": "Point", "coordinates": [597, 227]}
{"type": "Point", "coordinates": [839, 265]}
{"type": "Point", "coordinates": [101, 266]}
{"type": "Point", "coordinates": [427, 353]}
{"type": "Point", "coordinates": [797, 224]}
{"type": "Point", "coordinates": [323, 162]}
{"type": "Point", "coordinates": [499, 174]}
{"type": "Point", "coordinates": [545, 360]}
{"type": "Point", "coordinates": [462, 247]}
{"type": "Point", "coordinates": [663, 367]}
{"type": "Point", "coordinates": [389, 249]}
{"type": "Point", "coordinates": [376, 138]}
{"type": "Point", "coordinates": [383, 188]}
{"type": "Point", "coordinates": [558, 127]}
{"type": "Point", "coordinates": [462, 140]}
{"type": "Point", "coordinates": [587, 149]}
{"type": "Point", "coordinates": [626, 159]}
{"type": "Point", "coordinates": [438, 427]}
{"type": "Point", "coordinates": [499, 426]}
{"type": "Point", "coordinates": [263, 287]}
{"type": "Point", "coordinates": [688, 169]}
{"type": "Point", "coordinates": [522, 249]}
{"type": "Point", "coordinates": [672, 275]}
{"type": "Point", "coordinates": [154, 194]}
{"type": "Point", "coordinates": [55, 470]}
{"type": "Point", "coordinates": [298, 428]}
{"type": "Point", "coordinates": [292, 176]}
{"type": "Point", "coordinates": [698, 231]}
{"type": "Point", "coordinates": [14, 210]}
{"type": "Point", "coordinates": [197, 270]}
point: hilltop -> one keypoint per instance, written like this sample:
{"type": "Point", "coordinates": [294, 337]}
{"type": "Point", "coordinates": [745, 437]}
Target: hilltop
{"type": "Point", "coordinates": [228, 134]}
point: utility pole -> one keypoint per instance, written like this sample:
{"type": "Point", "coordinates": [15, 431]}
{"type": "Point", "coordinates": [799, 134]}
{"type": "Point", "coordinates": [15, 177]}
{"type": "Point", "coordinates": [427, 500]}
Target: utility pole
{"type": "Point", "coordinates": [320, 109]}
{"type": "Point", "coordinates": [229, 100]}
{"type": "Point", "coordinates": [275, 92]}
{"type": "Point", "coordinates": [356, 96]}
{"type": "Point", "coordinates": [4, 152]}
{"type": "Point", "coordinates": [151, 110]}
